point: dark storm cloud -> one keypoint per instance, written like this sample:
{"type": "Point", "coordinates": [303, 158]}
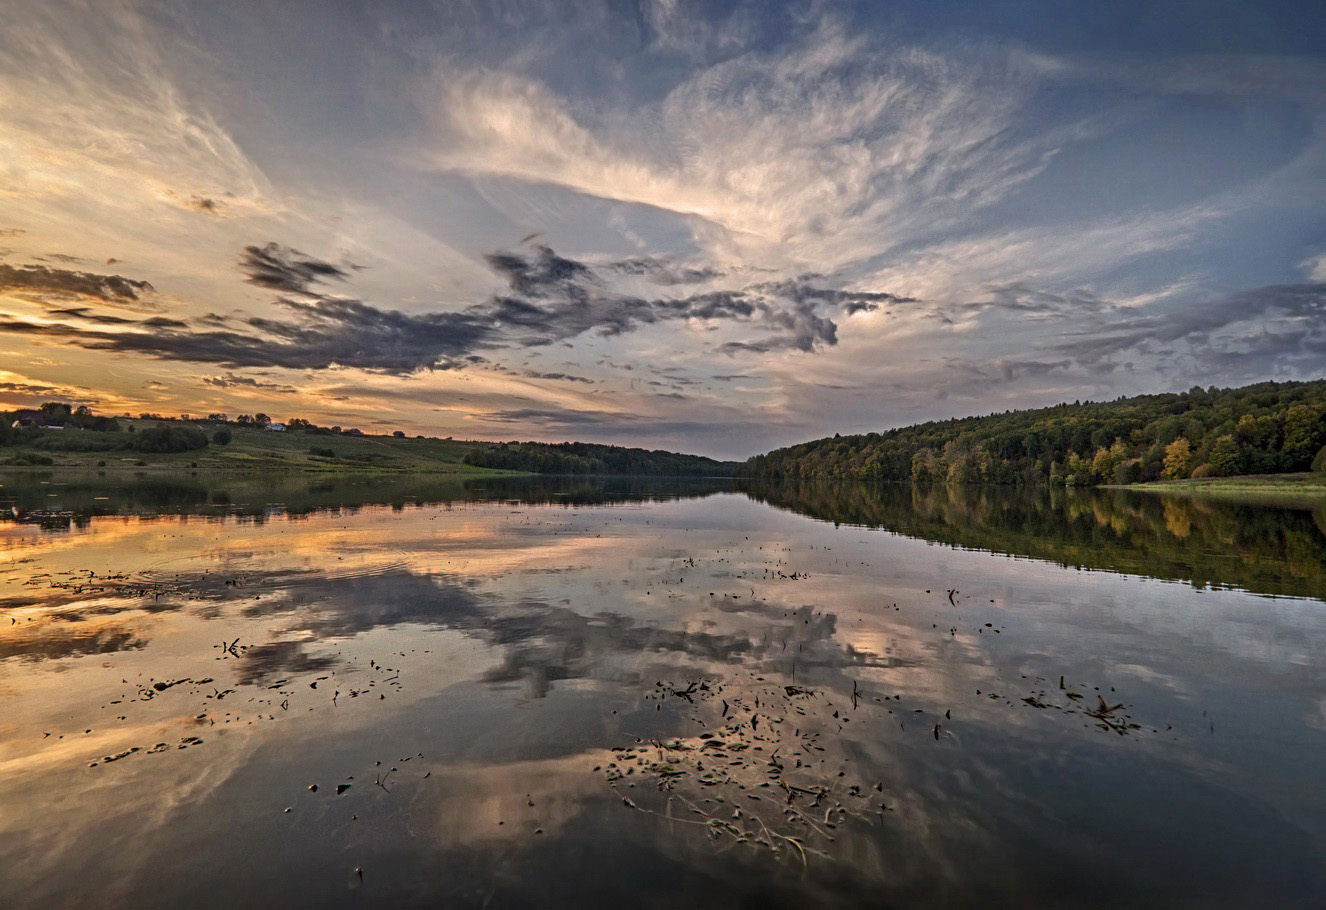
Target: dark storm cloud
{"type": "Point", "coordinates": [231, 381]}
{"type": "Point", "coordinates": [44, 281]}
{"type": "Point", "coordinates": [1290, 320]}
{"type": "Point", "coordinates": [805, 290]}
{"type": "Point", "coordinates": [327, 332]}
{"type": "Point", "coordinates": [569, 299]}
{"type": "Point", "coordinates": [555, 299]}
{"type": "Point", "coordinates": [556, 377]}
{"type": "Point", "coordinates": [562, 417]}
{"type": "Point", "coordinates": [660, 271]}
{"type": "Point", "coordinates": [539, 275]}
{"type": "Point", "coordinates": [280, 268]}
{"type": "Point", "coordinates": [84, 313]}
{"type": "Point", "coordinates": [31, 388]}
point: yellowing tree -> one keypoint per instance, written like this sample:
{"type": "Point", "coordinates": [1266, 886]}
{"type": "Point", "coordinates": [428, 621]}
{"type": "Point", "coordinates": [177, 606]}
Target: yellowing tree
{"type": "Point", "coordinates": [1178, 459]}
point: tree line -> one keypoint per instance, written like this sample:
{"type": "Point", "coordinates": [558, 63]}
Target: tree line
{"type": "Point", "coordinates": [1267, 428]}
{"type": "Point", "coordinates": [590, 458]}
{"type": "Point", "coordinates": [83, 431]}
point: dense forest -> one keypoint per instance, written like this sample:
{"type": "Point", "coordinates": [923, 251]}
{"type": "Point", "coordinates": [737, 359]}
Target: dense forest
{"type": "Point", "coordinates": [587, 458]}
{"type": "Point", "coordinates": [1271, 427]}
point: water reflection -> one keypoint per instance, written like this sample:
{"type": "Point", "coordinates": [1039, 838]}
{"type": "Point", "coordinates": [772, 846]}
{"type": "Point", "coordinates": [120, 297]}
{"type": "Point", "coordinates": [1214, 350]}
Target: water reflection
{"type": "Point", "coordinates": [540, 695]}
{"type": "Point", "coordinates": [67, 500]}
{"type": "Point", "coordinates": [1262, 547]}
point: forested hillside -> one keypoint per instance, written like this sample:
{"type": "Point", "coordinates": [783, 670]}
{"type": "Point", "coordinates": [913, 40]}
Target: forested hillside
{"type": "Point", "coordinates": [1259, 429]}
{"type": "Point", "coordinates": [587, 458]}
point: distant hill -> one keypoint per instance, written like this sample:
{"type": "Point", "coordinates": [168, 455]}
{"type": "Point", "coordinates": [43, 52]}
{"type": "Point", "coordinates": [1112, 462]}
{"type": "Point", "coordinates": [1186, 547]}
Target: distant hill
{"type": "Point", "coordinates": [588, 458]}
{"type": "Point", "coordinates": [60, 435]}
{"type": "Point", "coordinates": [1271, 427]}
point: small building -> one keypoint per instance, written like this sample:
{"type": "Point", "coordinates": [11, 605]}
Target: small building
{"type": "Point", "coordinates": [276, 428]}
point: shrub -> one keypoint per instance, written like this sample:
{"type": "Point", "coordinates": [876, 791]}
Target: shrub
{"type": "Point", "coordinates": [1129, 471]}
{"type": "Point", "coordinates": [162, 438]}
{"type": "Point", "coordinates": [30, 459]}
{"type": "Point", "coordinates": [222, 437]}
{"type": "Point", "coordinates": [1204, 470]}
{"type": "Point", "coordinates": [76, 441]}
{"type": "Point", "coordinates": [322, 452]}
{"type": "Point", "coordinates": [1319, 463]}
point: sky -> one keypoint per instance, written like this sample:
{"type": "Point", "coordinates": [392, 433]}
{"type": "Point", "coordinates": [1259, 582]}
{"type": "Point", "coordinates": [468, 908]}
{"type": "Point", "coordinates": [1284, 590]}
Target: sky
{"type": "Point", "coordinates": [712, 227]}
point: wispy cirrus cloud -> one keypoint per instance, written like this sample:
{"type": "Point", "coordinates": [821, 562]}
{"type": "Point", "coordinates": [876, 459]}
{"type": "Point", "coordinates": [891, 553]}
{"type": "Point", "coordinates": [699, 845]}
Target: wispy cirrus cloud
{"type": "Point", "coordinates": [827, 153]}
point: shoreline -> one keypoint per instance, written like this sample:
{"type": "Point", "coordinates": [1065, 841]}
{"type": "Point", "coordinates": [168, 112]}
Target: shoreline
{"type": "Point", "coordinates": [1278, 486]}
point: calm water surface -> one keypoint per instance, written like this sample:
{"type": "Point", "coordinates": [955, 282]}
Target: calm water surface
{"type": "Point", "coordinates": [595, 693]}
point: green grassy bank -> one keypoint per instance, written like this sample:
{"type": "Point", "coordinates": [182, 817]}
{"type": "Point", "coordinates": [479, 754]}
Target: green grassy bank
{"type": "Point", "coordinates": [1276, 486]}
{"type": "Point", "coordinates": [252, 449]}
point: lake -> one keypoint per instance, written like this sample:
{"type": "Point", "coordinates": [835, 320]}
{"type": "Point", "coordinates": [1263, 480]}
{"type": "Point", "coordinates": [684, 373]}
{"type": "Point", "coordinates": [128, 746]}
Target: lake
{"type": "Point", "coordinates": [286, 692]}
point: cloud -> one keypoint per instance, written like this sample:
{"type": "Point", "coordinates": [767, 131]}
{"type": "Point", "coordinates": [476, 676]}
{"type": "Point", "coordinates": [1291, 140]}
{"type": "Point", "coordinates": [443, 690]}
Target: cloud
{"type": "Point", "coordinates": [1299, 310]}
{"type": "Point", "coordinates": [84, 313]}
{"type": "Point", "coordinates": [540, 275]}
{"type": "Point", "coordinates": [556, 299]}
{"type": "Point", "coordinates": [35, 388]}
{"type": "Point", "coordinates": [231, 381]}
{"type": "Point", "coordinates": [44, 282]}
{"type": "Point", "coordinates": [662, 272]}
{"type": "Point", "coordinates": [205, 204]}
{"type": "Point", "coordinates": [556, 377]}
{"type": "Point", "coordinates": [571, 298]}
{"type": "Point", "coordinates": [553, 299]}
{"type": "Point", "coordinates": [1314, 267]}
{"type": "Point", "coordinates": [828, 151]}
{"type": "Point", "coordinates": [279, 268]}
{"type": "Point", "coordinates": [319, 335]}
{"type": "Point", "coordinates": [1011, 370]}
{"type": "Point", "coordinates": [19, 384]}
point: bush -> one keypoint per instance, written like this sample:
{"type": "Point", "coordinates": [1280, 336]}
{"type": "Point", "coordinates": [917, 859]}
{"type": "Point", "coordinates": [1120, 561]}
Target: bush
{"type": "Point", "coordinates": [1319, 463]}
{"type": "Point", "coordinates": [1204, 470]}
{"type": "Point", "coordinates": [322, 452]}
{"type": "Point", "coordinates": [162, 438]}
{"type": "Point", "coordinates": [1129, 471]}
{"type": "Point", "coordinates": [30, 459]}
{"type": "Point", "coordinates": [76, 441]}
{"type": "Point", "coordinates": [221, 437]}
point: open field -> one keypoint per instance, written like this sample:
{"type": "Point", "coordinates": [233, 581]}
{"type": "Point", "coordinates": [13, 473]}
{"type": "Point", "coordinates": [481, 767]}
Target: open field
{"type": "Point", "coordinates": [258, 450]}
